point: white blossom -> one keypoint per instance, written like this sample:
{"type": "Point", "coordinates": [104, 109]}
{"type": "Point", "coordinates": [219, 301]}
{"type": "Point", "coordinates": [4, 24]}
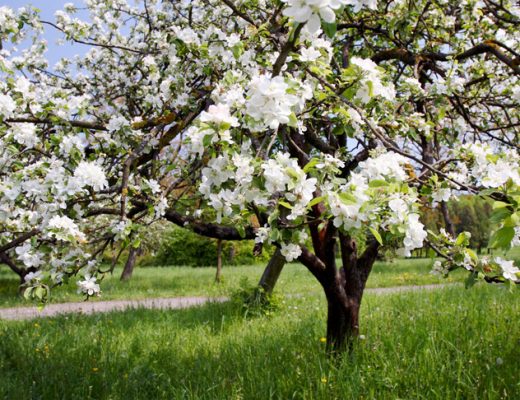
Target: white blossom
{"type": "Point", "coordinates": [90, 174]}
{"type": "Point", "coordinates": [33, 276]}
{"type": "Point", "coordinates": [219, 114]}
{"type": "Point", "coordinates": [509, 271]}
{"type": "Point", "coordinates": [7, 106]}
{"type": "Point", "coordinates": [63, 228]}
{"type": "Point", "coordinates": [89, 286]}
{"type": "Point", "coordinates": [290, 251]}
{"type": "Point", "coordinates": [25, 134]}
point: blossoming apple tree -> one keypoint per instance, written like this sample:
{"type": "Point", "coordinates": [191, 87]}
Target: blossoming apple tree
{"type": "Point", "coordinates": [300, 123]}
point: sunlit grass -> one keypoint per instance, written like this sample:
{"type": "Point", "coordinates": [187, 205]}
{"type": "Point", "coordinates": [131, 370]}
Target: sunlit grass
{"type": "Point", "coordinates": [450, 343]}
{"type": "Point", "coordinates": [150, 282]}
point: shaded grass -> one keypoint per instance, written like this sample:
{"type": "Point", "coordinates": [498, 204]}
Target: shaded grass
{"type": "Point", "coordinates": [441, 344]}
{"type": "Point", "coordinates": [152, 282]}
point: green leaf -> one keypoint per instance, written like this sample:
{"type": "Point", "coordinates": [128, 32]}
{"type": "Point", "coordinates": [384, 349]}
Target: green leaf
{"type": "Point", "coordinates": [377, 183]}
{"type": "Point", "coordinates": [376, 235]}
{"type": "Point", "coordinates": [470, 280]}
{"type": "Point", "coordinates": [472, 254]}
{"type": "Point", "coordinates": [292, 172]}
{"type": "Point", "coordinates": [511, 221]}
{"type": "Point", "coordinates": [285, 204]}
{"type": "Point", "coordinates": [293, 121]}
{"type": "Point", "coordinates": [241, 231]}
{"type": "Point", "coordinates": [39, 292]}
{"type": "Point", "coordinates": [238, 50]}
{"type": "Point", "coordinates": [461, 239]}
{"type": "Point", "coordinates": [27, 293]}
{"type": "Point", "coordinates": [329, 28]}
{"type": "Point", "coordinates": [370, 85]}
{"type": "Point", "coordinates": [347, 198]}
{"type": "Point", "coordinates": [499, 215]}
{"type": "Point", "coordinates": [315, 201]}
{"type": "Point", "coordinates": [499, 204]}
{"type": "Point", "coordinates": [313, 162]}
{"type": "Point", "coordinates": [206, 141]}
{"type": "Point", "coordinates": [502, 238]}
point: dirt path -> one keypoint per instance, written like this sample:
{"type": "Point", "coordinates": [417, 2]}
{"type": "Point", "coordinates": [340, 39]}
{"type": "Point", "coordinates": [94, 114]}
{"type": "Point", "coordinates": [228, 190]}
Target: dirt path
{"type": "Point", "coordinates": [20, 313]}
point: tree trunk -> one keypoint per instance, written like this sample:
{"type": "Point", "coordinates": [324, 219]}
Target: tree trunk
{"type": "Point", "coordinates": [272, 272]}
{"type": "Point", "coordinates": [448, 223]}
{"type": "Point", "coordinates": [218, 276]}
{"type": "Point", "coordinates": [130, 263]}
{"type": "Point", "coordinates": [232, 252]}
{"type": "Point", "coordinates": [342, 324]}
{"type": "Point", "coordinates": [344, 290]}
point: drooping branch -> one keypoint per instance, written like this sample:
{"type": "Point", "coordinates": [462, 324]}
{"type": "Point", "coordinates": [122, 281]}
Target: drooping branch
{"type": "Point", "coordinates": [215, 231]}
{"type": "Point", "coordinates": [19, 240]}
{"type": "Point", "coordinates": [10, 263]}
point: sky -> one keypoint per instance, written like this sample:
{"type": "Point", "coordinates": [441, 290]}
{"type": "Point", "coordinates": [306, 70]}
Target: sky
{"type": "Point", "coordinates": [48, 8]}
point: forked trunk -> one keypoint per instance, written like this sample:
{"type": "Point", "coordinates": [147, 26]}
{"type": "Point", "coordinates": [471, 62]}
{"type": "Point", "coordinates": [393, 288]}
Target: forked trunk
{"type": "Point", "coordinates": [344, 291]}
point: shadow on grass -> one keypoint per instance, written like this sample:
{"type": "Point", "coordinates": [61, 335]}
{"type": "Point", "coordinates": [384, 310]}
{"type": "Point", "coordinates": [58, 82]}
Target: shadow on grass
{"type": "Point", "coordinates": [9, 289]}
{"type": "Point", "coordinates": [209, 351]}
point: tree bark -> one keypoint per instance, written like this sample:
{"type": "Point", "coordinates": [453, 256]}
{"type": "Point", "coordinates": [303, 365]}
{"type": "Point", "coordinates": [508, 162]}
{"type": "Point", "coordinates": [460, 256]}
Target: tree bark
{"type": "Point", "coordinates": [343, 288]}
{"type": "Point", "coordinates": [448, 223]}
{"type": "Point", "coordinates": [342, 324]}
{"type": "Point", "coordinates": [272, 272]}
{"type": "Point", "coordinates": [130, 264]}
{"type": "Point", "coordinates": [218, 275]}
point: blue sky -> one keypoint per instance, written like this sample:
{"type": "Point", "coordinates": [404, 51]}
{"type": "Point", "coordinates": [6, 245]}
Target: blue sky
{"type": "Point", "coordinates": [48, 8]}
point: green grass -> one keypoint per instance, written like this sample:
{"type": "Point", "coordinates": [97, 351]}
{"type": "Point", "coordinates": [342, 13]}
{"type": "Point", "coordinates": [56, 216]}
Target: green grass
{"type": "Point", "coordinates": [185, 281]}
{"type": "Point", "coordinates": [442, 344]}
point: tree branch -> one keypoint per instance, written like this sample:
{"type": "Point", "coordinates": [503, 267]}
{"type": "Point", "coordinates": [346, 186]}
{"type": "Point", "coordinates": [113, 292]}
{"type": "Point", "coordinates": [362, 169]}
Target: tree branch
{"type": "Point", "coordinates": [208, 229]}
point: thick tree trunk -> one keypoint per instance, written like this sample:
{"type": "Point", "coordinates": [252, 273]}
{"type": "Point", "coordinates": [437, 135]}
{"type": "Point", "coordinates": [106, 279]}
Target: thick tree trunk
{"type": "Point", "coordinates": [344, 290]}
{"type": "Point", "coordinates": [342, 325]}
{"type": "Point", "coordinates": [130, 263]}
{"type": "Point", "coordinates": [272, 272]}
{"type": "Point", "coordinates": [218, 276]}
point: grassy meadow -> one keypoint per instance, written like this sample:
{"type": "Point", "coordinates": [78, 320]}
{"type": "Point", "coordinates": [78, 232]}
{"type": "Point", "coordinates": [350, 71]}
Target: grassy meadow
{"type": "Point", "coordinates": [449, 343]}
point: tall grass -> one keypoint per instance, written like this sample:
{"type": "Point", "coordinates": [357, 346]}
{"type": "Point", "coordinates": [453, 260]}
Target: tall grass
{"type": "Point", "coordinates": [446, 344]}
